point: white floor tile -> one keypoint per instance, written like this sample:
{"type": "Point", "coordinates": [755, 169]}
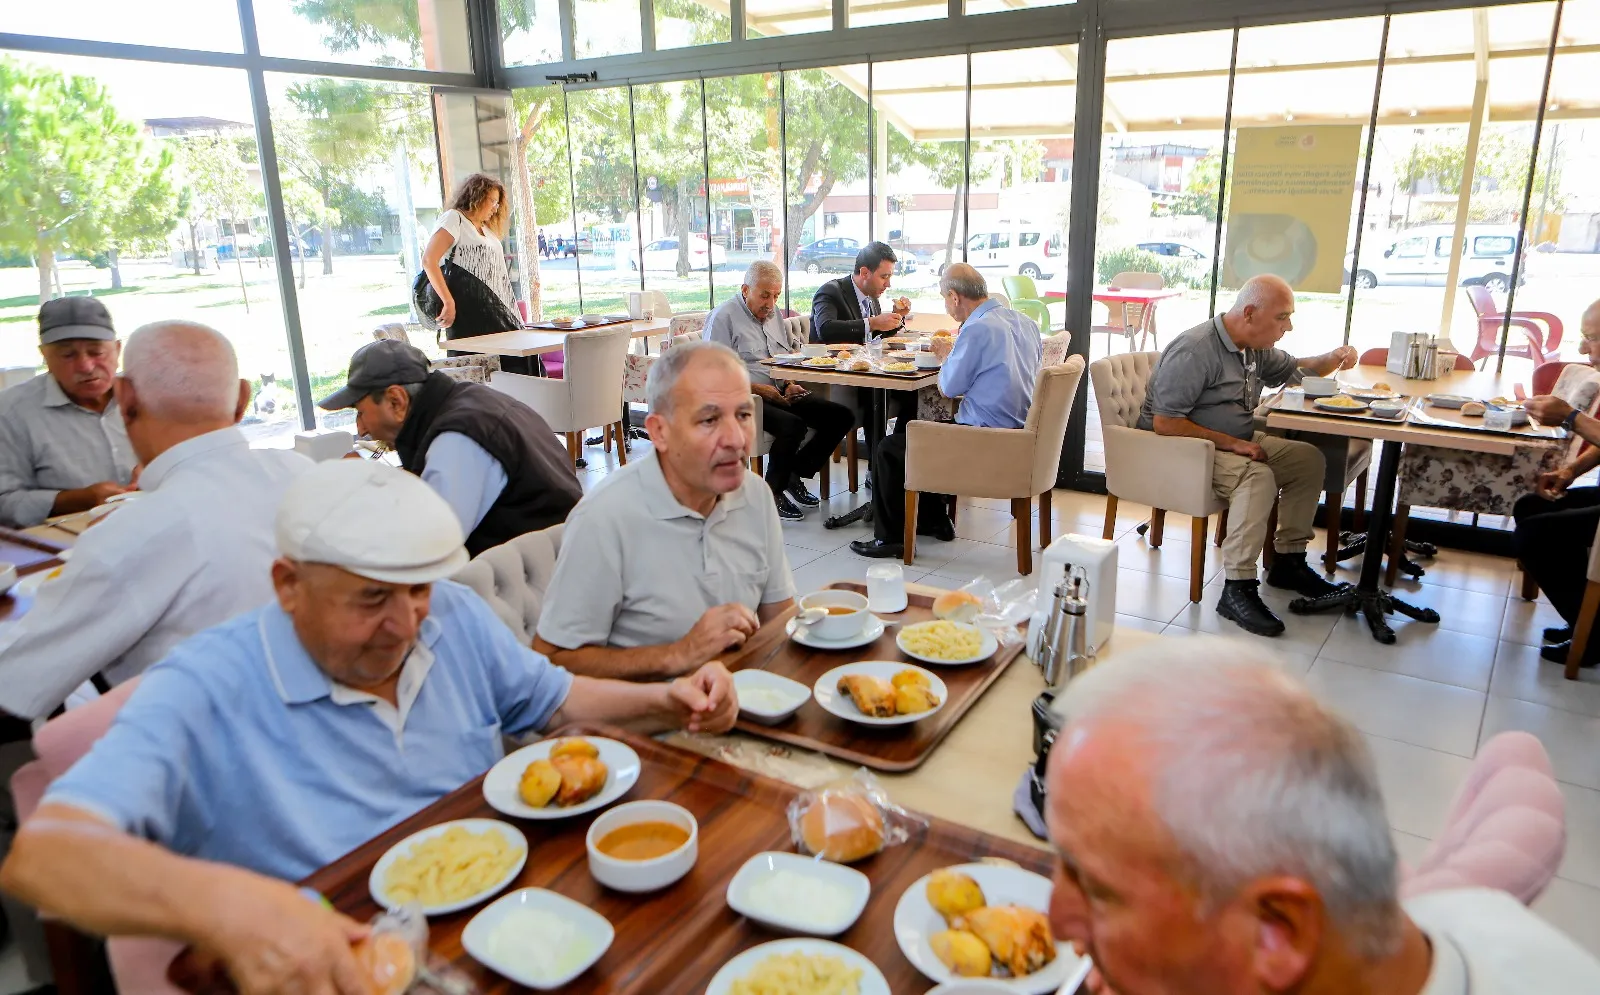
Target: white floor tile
{"type": "Point", "coordinates": [1294, 663]}
{"type": "Point", "coordinates": [1467, 571]}
{"type": "Point", "coordinates": [1172, 559]}
{"type": "Point", "coordinates": [1418, 783]}
{"type": "Point", "coordinates": [799, 556]}
{"type": "Point", "coordinates": [984, 524]}
{"type": "Point", "coordinates": [831, 568]}
{"type": "Point", "coordinates": [968, 559]}
{"type": "Point", "coordinates": [1303, 634]}
{"type": "Point", "coordinates": [1141, 624]}
{"type": "Point", "coordinates": [1420, 650]}
{"type": "Point", "coordinates": [1409, 847]}
{"type": "Point", "coordinates": [1582, 862]}
{"type": "Point", "coordinates": [1460, 610]}
{"type": "Point", "coordinates": [1424, 713]}
{"type": "Point", "coordinates": [1526, 621]}
{"type": "Point", "coordinates": [1572, 740]}
{"type": "Point", "coordinates": [1519, 672]}
{"type": "Point", "coordinates": [1151, 596]}
{"type": "Point", "coordinates": [1570, 907]}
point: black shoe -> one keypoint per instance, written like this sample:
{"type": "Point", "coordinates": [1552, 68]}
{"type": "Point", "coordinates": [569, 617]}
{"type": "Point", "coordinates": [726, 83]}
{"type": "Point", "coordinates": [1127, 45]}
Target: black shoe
{"type": "Point", "coordinates": [877, 549]}
{"type": "Point", "coordinates": [787, 509]}
{"type": "Point", "coordinates": [1558, 652]}
{"type": "Point", "coordinates": [1241, 602]}
{"type": "Point", "coordinates": [1291, 572]}
{"type": "Point", "coordinates": [1558, 634]}
{"type": "Point", "coordinates": [798, 492]}
{"type": "Point", "coordinates": [944, 531]}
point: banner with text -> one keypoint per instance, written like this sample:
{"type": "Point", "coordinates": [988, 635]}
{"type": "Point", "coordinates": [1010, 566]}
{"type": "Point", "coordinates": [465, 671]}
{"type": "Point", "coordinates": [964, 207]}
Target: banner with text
{"type": "Point", "coordinates": [1289, 201]}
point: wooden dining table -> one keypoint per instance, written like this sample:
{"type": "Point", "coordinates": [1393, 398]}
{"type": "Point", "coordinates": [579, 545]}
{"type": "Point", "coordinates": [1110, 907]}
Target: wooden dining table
{"type": "Point", "coordinates": [530, 342]}
{"type": "Point", "coordinates": [31, 551]}
{"type": "Point", "coordinates": [1120, 295]}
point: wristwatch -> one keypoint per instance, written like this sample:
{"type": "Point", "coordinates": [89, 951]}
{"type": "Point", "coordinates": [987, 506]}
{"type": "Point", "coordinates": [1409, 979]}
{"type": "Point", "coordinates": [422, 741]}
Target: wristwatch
{"type": "Point", "coordinates": [1571, 420]}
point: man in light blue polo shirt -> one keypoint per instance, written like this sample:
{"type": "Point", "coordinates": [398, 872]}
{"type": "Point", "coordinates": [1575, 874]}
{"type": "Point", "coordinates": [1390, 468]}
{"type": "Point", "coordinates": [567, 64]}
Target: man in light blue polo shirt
{"type": "Point", "coordinates": [272, 744]}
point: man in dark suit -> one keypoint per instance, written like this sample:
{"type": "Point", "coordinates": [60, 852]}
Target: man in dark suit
{"type": "Point", "coordinates": [847, 310]}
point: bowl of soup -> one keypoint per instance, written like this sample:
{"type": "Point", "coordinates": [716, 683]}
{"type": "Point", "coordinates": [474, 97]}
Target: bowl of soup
{"type": "Point", "coordinates": [847, 613]}
{"type": "Point", "coordinates": [643, 846]}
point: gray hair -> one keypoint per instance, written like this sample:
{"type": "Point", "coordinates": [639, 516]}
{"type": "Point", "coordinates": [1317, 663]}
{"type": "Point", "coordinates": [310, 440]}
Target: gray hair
{"type": "Point", "coordinates": [669, 366]}
{"type": "Point", "coordinates": [965, 280]}
{"type": "Point", "coordinates": [183, 371]}
{"type": "Point", "coordinates": [412, 390]}
{"type": "Point", "coordinates": [763, 271]}
{"type": "Point", "coordinates": [1252, 776]}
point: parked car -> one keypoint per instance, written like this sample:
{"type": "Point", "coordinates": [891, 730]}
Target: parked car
{"type": "Point", "coordinates": [1025, 251]}
{"type": "Point", "coordinates": [1178, 249]}
{"type": "Point", "coordinates": [1420, 257]}
{"type": "Point", "coordinates": [662, 254]}
{"type": "Point", "coordinates": [838, 255]}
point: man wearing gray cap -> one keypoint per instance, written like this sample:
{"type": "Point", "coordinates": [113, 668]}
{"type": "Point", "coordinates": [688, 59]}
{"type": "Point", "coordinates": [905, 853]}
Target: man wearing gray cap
{"type": "Point", "coordinates": [63, 448]}
{"type": "Point", "coordinates": [272, 744]}
{"type": "Point", "coordinates": [493, 459]}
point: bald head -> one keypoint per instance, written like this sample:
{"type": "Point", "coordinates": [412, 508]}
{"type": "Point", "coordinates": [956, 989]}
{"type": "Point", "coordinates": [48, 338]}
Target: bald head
{"type": "Point", "coordinates": [1261, 314]}
{"type": "Point", "coordinates": [1589, 344]}
{"type": "Point", "coordinates": [179, 379]}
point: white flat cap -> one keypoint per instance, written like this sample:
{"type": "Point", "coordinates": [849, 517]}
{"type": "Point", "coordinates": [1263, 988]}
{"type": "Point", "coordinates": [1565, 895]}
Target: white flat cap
{"type": "Point", "coordinates": [372, 520]}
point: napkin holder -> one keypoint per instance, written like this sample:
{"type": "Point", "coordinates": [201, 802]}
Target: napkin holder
{"type": "Point", "coordinates": [1098, 560]}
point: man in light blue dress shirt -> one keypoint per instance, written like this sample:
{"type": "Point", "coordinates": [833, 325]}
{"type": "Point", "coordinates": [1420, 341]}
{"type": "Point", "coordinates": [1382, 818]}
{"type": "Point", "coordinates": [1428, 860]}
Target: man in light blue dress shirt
{"type": "Point", "coordinates": [991, 366]}
{"type": "Point", "coordinates": [272, 744]}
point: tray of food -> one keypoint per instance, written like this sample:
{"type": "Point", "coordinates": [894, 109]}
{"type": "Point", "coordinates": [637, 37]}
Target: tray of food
{"type": "Point", "coordinates": [1371, 404]}
{"type": "Point", "coordinates": [572, 324]}
{"type": "Point", "coordinates": [1496, 416]}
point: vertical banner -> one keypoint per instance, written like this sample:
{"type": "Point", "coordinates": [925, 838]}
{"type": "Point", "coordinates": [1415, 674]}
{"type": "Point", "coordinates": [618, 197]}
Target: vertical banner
{"type": "Point", "coordinates": [1289, 205]}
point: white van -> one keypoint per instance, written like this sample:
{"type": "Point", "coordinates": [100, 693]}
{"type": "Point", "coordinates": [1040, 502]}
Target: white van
{"type": "Point", "coordinates": [1420, 257]}
{"type": "Point", "coordinates": [1025, 251]}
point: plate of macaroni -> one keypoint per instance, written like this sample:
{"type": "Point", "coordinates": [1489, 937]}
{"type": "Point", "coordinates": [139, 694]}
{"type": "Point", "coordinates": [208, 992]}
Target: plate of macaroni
{"type": "Point", "coordinates": [945, 642]}
{"type": "Point", "coordinates": [899, 367]}
{"type": "Point", "coordinates": [799, 967]}
{"type": "Point", "coordinates": [448, 867]}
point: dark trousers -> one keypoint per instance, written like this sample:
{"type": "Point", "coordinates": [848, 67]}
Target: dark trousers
{"type": "Point", "coordinates": [1553, 540]}
{"type": "Point", "coordinates": [787, 425]}
{"type": "Point", "coordinates": [889, 495]}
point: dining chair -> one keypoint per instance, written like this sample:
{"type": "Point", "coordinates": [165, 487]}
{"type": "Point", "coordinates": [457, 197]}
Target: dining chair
{"type": "Point", "coordinates": [1138, 280]}
{"type": "Point", "coordinates": [1034, 309]}
{"type": "Point", "coordinates": [1545, 376]}
{"type": "Point", "coordinates": [1019, 286]}
{"type": "Point", "coordinates": [391, 330]}
{"type": "Point", "coordinates": [1015, 463]}
{"type": "Point", "coordinates": [589, 395]}
{"type": "Point", "coordinates": [1541, 330]}
{"type": "Point", "coordinates": [513, 577]}
{"type": "Point", "coordinates": [1166, 472]}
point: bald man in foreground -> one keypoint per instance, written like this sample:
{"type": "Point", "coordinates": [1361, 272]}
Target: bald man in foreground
{"type": "Point", "coordinates": [190, 550]}
{"type": "Point", "coordinates": [1222, 833]}
{"type": "Point", "coordinates": [1206, 385]}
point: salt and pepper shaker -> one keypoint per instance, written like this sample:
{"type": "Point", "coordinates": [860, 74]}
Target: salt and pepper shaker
{"type": "Point", "coordinates": [1064, 652]}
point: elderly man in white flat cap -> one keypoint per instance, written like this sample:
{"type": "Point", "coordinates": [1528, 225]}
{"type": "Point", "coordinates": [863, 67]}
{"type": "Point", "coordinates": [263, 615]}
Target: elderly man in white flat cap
{"type": "Point", "coordinates": [266, 747]}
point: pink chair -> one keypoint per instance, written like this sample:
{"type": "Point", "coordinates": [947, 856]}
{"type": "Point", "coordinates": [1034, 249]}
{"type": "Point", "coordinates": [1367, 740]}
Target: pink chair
{"type": "Point", "coordinates": [1542, 343]}
{"type": "Point", "coordinates": [1506, 830]}
{"type": "Point", "coordinates": [139, 964]}
{"type": "Point", "coordinates": [1545, 376]}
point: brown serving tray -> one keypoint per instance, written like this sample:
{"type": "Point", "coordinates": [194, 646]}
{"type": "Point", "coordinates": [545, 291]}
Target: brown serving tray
{"type": "Point", "coordinates": [886, 748]}
{"type": "Point", "coordinates": [840, 369]}
{"type": "Point", "coordinates": [675, 940]}
{"type": "Point", "coordinates": [1298, 404]}
{"type": "Point", "coordinates": [29, 553]}
{"type": "Point", "coordinates": [577, 325]}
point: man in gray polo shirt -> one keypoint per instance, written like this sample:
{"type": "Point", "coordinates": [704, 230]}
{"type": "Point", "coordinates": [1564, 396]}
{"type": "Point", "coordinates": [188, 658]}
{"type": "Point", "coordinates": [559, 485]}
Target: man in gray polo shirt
{"type": "Point", "coordinates": [63, 448]}
{"type": "Point", "coordinates": [677, 557]}
{"type": "Point", "coordinates": [1206, 385]}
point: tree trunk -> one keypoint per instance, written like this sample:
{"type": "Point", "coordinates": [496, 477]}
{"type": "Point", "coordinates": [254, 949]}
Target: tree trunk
{"type": "Point", "coordinates": [116, 271]}
{"type": "Point", "coordinates": [955, 221]}
{"type": "Point", "coordinates": [528, 222]}
{"type": "Point", "coordinates": [327, 231]}
{"type": "Point", "coordinates": [234, 241]}
{"type": "Point", "coordinates": [194, 250]}
{"type": "Point", "coordinates": [800, 212]}
{"type": "Point", "coordinates": [683, 218]}
{"type": "Point", "coordinates": [296, 242]}
{"type": "Point", "coordinates": [45, 253]}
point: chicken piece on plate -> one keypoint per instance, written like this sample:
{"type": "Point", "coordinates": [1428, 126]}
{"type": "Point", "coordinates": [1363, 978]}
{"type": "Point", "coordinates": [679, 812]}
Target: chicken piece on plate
{"type": "Point", "coordinates": [581, 778]}
{"type": "Point", "coordinates": [910, 699]}
{"type": "Point", "coordinates": [874, 696]}
{"type": "Point", "coordinates": [1019, 937]}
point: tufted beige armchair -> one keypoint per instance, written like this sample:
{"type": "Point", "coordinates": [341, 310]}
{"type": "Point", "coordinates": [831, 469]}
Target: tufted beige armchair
{"type": "Point", "coordinates": [1166, 472]}
{"type": "Point", "coordinates": [513, 576]}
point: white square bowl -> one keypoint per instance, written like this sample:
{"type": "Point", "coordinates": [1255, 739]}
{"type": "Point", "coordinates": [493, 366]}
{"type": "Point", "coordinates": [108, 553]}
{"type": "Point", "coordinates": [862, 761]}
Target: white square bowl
{"type": "Point", "coordinates": [594, 927]}
{"type": "Point", "coordinates": [761, 680]}
{"type": "Point", "coordinates": [771, 862]}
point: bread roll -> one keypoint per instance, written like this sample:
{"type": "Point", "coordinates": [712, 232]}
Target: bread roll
{"type": "Point", "coordinates": [387, 961]}
{"type": "Point", "coordinates": [842, 828]}
{"type": "Point", "coordinates": [1473, 409]}
{"type": "Point", "coordinates": [960, 606]}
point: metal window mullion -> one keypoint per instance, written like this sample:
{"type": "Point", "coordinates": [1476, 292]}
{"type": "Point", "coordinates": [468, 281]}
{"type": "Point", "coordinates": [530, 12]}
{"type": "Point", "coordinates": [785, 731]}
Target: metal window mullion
{"type": "Point", "coordinates": [872, 161]}
{"type": "Point", "coordinates": [705, 152]}
{"type": "Point", "coordinates": [638, 199]}
{"type": "Point", "coordinates": [783, 169]}
{"type": "Point", "coordinates": [568, 39]}
{"type": "Point", "coordinates": [1366, 176]}
{"type": "Point", "coordinates": [841, 15]}
{"type": "Point", "coordinates": [572, 195]}
{"type": "Point", "coordinates": [647, 26]}
{"type": "Point", "coordinates": [1088, 112]}
{"type": "Point", "coordinates": [966, 169]}
{"type": "Point", "coordinates": [736, 15]}
{"type": "Point", "coordinates": [1222, 176]}
{"type": "Point", "coordinates": [1527, 189]}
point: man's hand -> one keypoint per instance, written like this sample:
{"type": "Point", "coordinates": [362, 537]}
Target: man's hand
{"type": "Point", "coordinates": [795, 392]}
{"type": "Point", "coordinates": [1547, 409]}
{"type": "Point", "coordinates": [941, 347]}
{"type": "Point", "coordinates": [1346, 356]}
{"type": "Point", "coordinates": [1246, 448]}
{"type": "Point", "coordinates": [275, 939]}
{"type": "Point", "coordinates": [720, 629]}
{"type": "Point", "coordinates": [767, 392]}
{"type": "Point", "coordinates": [1553, 484]}
{"type": "Point", "coordinates": [706, 699]}
{"type": "Point", "coordinates": [884, 322]}
{"type": "Point", "coordinates": [105, 489]}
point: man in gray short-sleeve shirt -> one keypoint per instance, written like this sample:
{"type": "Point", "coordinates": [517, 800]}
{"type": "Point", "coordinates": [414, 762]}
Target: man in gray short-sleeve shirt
{"type": "Point", "coordinates": [677, 557]}
{"type": "Point", "coordinates": [1206, 385]}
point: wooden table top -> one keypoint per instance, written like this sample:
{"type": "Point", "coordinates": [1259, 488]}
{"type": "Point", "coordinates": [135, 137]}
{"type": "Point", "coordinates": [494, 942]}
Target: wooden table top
{"type": "Point", "coordinates": [538, 343]}
{"type": "Point", "coordinates": [1120, 295]}
{"type": "Point", "coordinates": [807, 374]}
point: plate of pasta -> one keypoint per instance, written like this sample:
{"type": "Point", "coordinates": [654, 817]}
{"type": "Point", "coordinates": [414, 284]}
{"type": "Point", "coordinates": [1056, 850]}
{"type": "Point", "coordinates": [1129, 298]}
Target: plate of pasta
{"type": "Point", "coordinates": [449, 867]}
{"type": "Point", "coordinates": [947, 643]}
{"type": "Point", "coordinates": [799, 967]}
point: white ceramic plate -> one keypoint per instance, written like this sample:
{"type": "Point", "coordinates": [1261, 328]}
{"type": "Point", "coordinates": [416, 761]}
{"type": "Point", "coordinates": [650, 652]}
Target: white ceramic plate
{"type": "Point", "coordinates": [1339, 409]}
{"type": "Point", "coordinates": [915, 921]}
{"type": "Point", "coordinates": [500, 784]}
{"type": "Point", "coordinates": [836, 702]}
{"type": "Point", "coordinates": [765, 864]}
{"type": "Point", "coordinates": [869, 634]}
{"type": "Point", "coordinates": [872, 979]}
{"type": "Point", "coordinates": [381, 869]}
{"type": "Point", "coordinates": [745, 681]}
{"type": "Point", "coordinates": [594, 927]}
{"type": "Point", "coordinates": [1447, 400]}
{"type": "Point", "coordinates": [1368, 394]}
{"type": "Point", "coordinates": [985, 650]}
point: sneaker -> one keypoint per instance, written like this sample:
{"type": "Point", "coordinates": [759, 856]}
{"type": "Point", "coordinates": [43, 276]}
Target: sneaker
{"type": "Point", "coordinates": [799, 493]}
{"type": "Point", "coordinates": [1241, 603]}
{"type": "Point", "coordinates": [787, 509]}
{"type": "Point", "coordinates": [1558, 634]}
{"type": "Point", "coordinates": [1291, 573]}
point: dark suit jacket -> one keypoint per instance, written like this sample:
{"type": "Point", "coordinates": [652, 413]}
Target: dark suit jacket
{"type": "Point", "coordinates": [836, 315]}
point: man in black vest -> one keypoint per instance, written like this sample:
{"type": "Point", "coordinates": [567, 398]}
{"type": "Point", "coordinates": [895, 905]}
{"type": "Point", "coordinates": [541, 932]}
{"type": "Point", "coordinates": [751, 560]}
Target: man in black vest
{"type": "Point", "coordinates": [491, 457]}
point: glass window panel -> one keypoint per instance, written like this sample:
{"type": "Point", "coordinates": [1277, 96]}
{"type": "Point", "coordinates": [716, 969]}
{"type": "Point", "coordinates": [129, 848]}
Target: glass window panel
{"type": "Point", "coordinates": [684, 23]}
{"type": "Point", "coordinates": [826, 125]}
{"type": "Point", "coordinates": [422, 34]}
{"type": "Point", "coordinates": [358, 165]}
{"type": "Point", "coordinates": [746, 167]}
{"type": "Point", "coordinates": [866, 13]}
{"type": "Point", "coordinates": [764, 18]}
{"type": "Point", "coordinates": [1001, 6]}
{"type": "Point", "coordinates": [552, 279]}
{"type": "Point", "coordinates": [530, 32]}
{"type": "Point", "coordinates": [678, 252]}
{"type": "Point", "coordinates": [605, 27]}
{"type": "Point", "coordinates": [212, 25]}
{"type": "Point", "coordinates": [607, 218]}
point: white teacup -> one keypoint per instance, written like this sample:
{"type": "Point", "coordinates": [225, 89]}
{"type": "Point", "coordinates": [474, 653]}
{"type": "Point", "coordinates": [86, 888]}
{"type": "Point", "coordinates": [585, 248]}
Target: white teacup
{"type": "Point", "coordinates": [927, 361]}
{"type": "Point", "coordinates": [847, 613]}
{"type": "Point", "coordinates": [814, 349]}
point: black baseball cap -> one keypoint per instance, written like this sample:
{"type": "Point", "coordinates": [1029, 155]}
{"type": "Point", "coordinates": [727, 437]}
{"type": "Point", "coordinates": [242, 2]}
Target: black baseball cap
{"type": "Point", "coordinates": [75, 318]}
{"type": "Point", "coordinates": [375, 366]}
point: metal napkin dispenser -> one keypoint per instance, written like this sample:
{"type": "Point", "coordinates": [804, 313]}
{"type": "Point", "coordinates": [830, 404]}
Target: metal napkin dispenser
{"type": "Point", "coordinates": [1096, 558]}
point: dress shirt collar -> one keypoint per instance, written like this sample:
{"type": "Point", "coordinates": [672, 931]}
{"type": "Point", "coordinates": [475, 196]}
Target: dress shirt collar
{"type": "Point", "coordinates": [772, 330]}
{"type": "Point", "coordinates": [1222, 333]}
{"type": "Point", "coordinates": [988, 305]}
{"type": "Point", "coordinates": [664, 505]}
{"type": "Point", "coordinates": [196, 448]}
{"type": "Point", "coordinates": [862, 300]}
{"type": "Point", "coordinates": [55, 397]}
{"type": "Point", "coordinates": [296, 676]}
{"type": "Point", "coordinates": [1449, 974]}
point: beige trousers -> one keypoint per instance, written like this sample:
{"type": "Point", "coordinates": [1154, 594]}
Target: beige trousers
{"type": "Point", "coordinates": [1293, 468]}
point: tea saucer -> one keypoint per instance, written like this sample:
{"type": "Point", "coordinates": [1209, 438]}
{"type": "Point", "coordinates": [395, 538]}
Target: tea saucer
{"type": "Point", "coordinates": [869, 633]}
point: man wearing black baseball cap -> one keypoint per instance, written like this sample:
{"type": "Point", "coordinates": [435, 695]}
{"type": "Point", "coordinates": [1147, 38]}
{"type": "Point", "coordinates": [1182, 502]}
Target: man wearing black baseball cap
{"type": "Point", "coordinates": [493, 459]}
{"type": "Point", "coordinates": [63, 447]}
